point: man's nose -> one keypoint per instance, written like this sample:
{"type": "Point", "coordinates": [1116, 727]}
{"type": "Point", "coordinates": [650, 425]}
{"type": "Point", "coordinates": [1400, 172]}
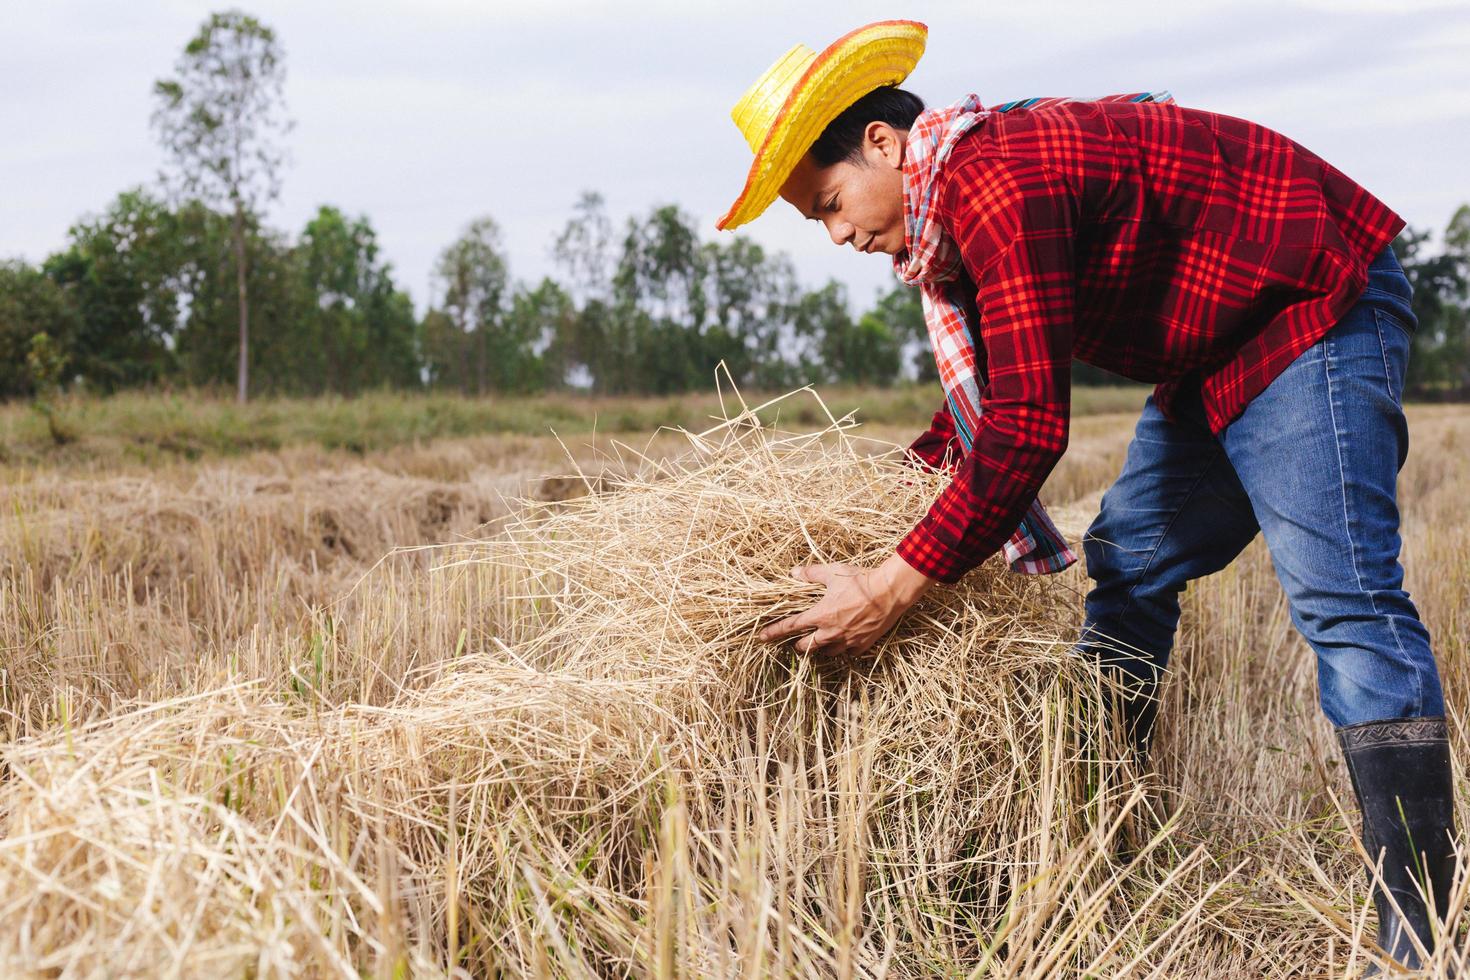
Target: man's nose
{"type": "Point", "coordinates": [840, 231]}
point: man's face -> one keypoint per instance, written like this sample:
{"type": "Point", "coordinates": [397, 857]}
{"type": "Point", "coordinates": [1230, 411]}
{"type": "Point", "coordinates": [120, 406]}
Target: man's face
{"type": "Point", "coordinates": [861, 204]}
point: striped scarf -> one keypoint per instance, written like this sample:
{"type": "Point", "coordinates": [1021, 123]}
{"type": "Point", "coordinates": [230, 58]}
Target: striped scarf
{"type": "Point", "coordinates": [931, 260]}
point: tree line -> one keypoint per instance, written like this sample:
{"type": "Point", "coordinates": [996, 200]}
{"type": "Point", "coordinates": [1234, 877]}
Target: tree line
{"type": "Point", "coordinates": [145, 295]}
{"type": "Point", "coordinates": [184, 285]}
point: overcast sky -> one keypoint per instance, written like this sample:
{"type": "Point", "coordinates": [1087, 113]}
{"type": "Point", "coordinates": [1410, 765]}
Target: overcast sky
{"type": "Point", "coordinates": [424, 114]}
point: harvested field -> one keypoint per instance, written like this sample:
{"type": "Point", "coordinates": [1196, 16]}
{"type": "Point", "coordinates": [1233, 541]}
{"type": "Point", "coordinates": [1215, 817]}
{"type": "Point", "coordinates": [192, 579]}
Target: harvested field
{"type": "Point", "coordinates": [422, 711]}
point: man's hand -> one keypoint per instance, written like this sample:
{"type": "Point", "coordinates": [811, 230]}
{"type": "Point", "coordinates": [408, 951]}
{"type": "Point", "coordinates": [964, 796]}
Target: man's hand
{"type": "Point", "coordinates": [859, 607]}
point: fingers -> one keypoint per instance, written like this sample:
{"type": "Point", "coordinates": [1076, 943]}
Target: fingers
{"type": "Point", "coordinates": [820, 573]}
{"type": "Point", "coordinates": [810, 573]}
{"type": "Point", "coordinates": [823, 639]}
{"type": "Point", "coordinates": [793, 625]}
{"type": "Point", "coordinates": [783, 628]}
{"type": "Point", "coordinates": [814, 642]}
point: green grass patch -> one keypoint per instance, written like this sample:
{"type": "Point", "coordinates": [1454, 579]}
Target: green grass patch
{"type": "Point", "coordinates": [143, 427]}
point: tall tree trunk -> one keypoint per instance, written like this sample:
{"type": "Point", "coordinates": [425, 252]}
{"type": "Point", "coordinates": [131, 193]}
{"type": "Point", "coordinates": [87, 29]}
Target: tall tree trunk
{"type": "Point", "coordinates": [242, 377]}
{"type": "Point", "coordinates": [480, 358]}
{"type": "Point", "coordinates": [462, 341]}
{"type": "Point", "coordinates": [330, 366]}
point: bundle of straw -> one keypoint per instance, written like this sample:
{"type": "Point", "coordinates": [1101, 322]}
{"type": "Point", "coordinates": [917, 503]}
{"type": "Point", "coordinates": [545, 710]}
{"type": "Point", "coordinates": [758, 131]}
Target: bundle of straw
{"type": "Point", "coordinates": [622, 780]}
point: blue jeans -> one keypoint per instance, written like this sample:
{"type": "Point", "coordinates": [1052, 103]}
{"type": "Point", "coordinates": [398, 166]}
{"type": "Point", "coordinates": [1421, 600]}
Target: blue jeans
{"type": "Point", "coordinates": [1312, 463]}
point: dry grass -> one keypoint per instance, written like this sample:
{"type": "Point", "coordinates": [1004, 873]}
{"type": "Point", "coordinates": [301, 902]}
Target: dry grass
{"type": "Point", "coordinates": [240, 745]}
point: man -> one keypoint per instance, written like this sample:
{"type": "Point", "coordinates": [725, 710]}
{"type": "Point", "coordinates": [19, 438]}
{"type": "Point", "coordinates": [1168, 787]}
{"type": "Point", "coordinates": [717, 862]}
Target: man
{"type": "Point", "coordinates": [1249, 280]}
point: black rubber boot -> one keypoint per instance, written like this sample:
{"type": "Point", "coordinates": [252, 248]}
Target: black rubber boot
{"type": "Point", "coordinates": [1140, 710]}
{"type": "Point", "coordinates": [1134, 704]}
{"type": "Point", "coordinates": [1133, 696]}
{"type": "Point", "coordinates": [1400, 770]}
{"type": "Point", "coordinates": [1128, 705]}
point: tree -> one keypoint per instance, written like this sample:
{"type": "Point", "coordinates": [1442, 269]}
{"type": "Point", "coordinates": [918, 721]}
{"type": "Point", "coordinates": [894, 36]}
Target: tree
{"type": "Point", "coordinates": [659, 306]}
{"type": "Point", "coordinates": [752, 296]}
{"type": "Point", "coordinates": [1454, 326]}
{"type": "Point", "coordinates": [393, 336]}
{"type": "Point", "coordinates": [862, 353]}
{"type": "Point", "coordinates": [525, 354]}
{"type": "Point", "coordinates": [474, 278]}
{"type": "Point", "coordinates": [661, 267]}
{"type": "Point", "coordinates": [901, 310]}
{"type": "Point", "coordinates": [46, 363]}
{"type": "Point", "coordinates": [123, 271]}
{"type": "Point", "coordinates": [31, 304]}
{"type": "Point", "coordinates": [221, 118]}
{"type": "Point", "coordinates": [821, 321]}
{"type": "Point", "coordinates": [207, 350]}
{"type": "Point", "coordinates": [443, 341]}
{"type": "Point", "coordinates": [584, 249]}
{"type": "Point", "coordinates": [356, 328]}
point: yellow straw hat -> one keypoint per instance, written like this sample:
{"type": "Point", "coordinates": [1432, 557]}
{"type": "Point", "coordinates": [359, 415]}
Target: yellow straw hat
{"type": "Point", "coordinates": [787, 108]}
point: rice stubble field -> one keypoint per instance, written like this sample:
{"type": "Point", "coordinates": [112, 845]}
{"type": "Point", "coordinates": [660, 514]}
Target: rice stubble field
{"type": "Point", "coordinates": [492, 705]}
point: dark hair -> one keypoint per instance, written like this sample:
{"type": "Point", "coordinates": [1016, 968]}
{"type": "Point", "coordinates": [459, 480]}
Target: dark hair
{"type": "Point", "coordinates": [843, 137]}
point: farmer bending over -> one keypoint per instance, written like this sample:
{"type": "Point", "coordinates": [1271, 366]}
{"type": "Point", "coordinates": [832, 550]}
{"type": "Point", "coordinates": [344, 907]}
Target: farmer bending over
{"type": "Point", "coordinates": [1248, 279]}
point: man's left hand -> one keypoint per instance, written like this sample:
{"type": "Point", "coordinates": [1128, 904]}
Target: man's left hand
{"type": "Point", "coordinates": [859, 607]}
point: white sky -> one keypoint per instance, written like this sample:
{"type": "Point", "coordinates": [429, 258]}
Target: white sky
{"type": "Point", "coordinates": [424, 114]}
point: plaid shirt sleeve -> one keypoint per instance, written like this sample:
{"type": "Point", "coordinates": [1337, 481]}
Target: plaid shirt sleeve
{"type": "Point", "coordinates": [1014, 222]}
{"type": "Point", "coordinates": [938, 442]}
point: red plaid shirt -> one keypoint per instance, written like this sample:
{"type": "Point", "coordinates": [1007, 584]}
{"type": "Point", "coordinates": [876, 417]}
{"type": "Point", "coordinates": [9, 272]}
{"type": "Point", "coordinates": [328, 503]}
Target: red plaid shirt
{"type": "Point", "coordinates": [1166, 244]}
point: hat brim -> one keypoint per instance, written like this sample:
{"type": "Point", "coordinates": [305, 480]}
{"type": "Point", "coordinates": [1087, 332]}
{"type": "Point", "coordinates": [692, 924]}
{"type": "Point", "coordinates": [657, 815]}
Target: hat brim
{"type": "Point", "coordinates": [878, 54]}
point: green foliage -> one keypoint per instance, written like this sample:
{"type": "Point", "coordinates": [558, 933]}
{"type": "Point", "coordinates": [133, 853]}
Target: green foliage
{"type": "Point", "coordinates": [902, 313]}
{"type": "Point", "coordinates": [524, 350]}
{"type": "Point", "coordinates": [355, 329]}
{"type": "Point", "coordinates": [121, 273]}
{"type": "Point", "coordinates": [1439, 360]}
{"type": "Point", "coordinates": [867, 353]}
{"type": "Point", "coordinates": [661, 270]}
{"type": "Point", "coordinates": [221, 116]}
{"type": "Point", "coordinates": [31, 303]}
{"type": "Point", "coordinates": [207, 343]}
{"type": "Point", "coordinates": [46, 362]}
{"type": "Point", "coordinates": [753, 299]}
{"type": "Point", "coordinates": [584, 249]}
{"type": "Point", "coordinates": [667, 309]}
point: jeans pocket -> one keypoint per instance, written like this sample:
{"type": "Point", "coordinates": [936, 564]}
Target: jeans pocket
{"type": "Point", "coordinates": [1391, 317]}
{"type": "Point", "coordinates": [1396, 338]}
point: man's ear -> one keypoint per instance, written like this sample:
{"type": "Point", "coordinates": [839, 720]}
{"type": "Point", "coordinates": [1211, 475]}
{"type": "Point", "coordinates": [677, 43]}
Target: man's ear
{"type": "Point", "coordinates": [881, 142]}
